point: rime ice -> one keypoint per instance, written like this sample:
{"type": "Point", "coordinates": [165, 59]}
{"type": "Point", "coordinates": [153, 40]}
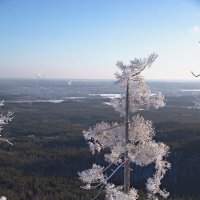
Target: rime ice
{"type": "Point", "coordinates": [130, 141]}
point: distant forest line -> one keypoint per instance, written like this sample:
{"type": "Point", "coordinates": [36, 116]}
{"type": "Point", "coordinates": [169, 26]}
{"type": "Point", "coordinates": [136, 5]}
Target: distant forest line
{"type": "Point", "coordinates": [49, 149]}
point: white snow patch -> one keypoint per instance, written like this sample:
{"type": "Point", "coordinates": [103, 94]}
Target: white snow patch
{"type": "Point", "coordinates": [190, 90]}
{"type": "Point", "coordinates": [36, 101]}
{"type": "Point", "coordinates": [109, 96]}
{"type": "Point", "coordinates": [107, 103]}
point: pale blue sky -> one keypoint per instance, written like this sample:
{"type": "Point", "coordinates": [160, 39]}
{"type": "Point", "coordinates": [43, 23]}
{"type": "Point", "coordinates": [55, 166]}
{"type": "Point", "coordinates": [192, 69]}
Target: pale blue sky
{"type": "Point", "coordinates": [84, 38]}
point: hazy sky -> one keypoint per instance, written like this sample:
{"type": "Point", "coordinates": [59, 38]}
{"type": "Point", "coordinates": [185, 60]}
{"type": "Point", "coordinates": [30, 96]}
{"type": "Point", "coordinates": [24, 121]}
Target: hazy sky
{"type": "Point", "coordinates": [85, 38]}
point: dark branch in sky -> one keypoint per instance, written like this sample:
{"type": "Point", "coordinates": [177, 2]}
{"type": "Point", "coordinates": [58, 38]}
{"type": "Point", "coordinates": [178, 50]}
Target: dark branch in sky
{"type": "Point", "coordinates": [195, 75]}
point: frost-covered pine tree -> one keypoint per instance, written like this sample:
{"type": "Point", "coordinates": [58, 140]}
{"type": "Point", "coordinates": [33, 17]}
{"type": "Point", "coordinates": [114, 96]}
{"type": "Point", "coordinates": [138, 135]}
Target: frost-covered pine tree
{"type": "Point", "coordinates": [128, 142]}
{"type": "Point", "coordinates": [4, 119]}
{"type": "Point", "coordinates": [197, 98]}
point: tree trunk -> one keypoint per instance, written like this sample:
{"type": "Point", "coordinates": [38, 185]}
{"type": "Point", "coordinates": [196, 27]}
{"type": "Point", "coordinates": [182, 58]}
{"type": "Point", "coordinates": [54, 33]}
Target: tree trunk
{"type": "Point", "coordinates": [127, 160]}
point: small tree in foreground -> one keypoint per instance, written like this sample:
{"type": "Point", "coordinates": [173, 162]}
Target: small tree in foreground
{"type": "Point", "coordinates": [4, 119]}
{"type": "Point", "coordinates": [129, 142]}
{"type": "Point", "coordinates": [197, 98]}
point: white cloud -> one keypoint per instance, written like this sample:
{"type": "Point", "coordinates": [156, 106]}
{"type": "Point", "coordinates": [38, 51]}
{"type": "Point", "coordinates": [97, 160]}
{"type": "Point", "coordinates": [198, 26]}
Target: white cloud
{"type": "Point", "coordinates": [195, 29]}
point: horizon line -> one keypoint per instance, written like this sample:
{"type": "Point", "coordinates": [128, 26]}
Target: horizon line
{"type": "Point", "coordinates": [98, 79]}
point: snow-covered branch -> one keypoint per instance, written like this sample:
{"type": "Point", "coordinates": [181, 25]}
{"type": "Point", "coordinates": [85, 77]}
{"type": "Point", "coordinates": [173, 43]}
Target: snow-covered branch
{"type": "Point", "coordinates": [153, 184]}
{"type": "Point", "coordinates": [131, 72]}
{"type": "Point", "coordinates": [5, 119]}
{"type": "Point", "coordinates": [140, 98]}
{"type": "Point", "coordinates": [103, 136]}
{"type": "Point", "coordinates": [95, 178]}
{"type": "Point", "coordinates": [116, 193]}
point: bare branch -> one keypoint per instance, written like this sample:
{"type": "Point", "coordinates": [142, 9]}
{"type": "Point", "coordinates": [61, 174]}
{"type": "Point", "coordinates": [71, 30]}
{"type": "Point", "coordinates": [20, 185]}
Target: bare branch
{"type": "Point", "coordinates": [99, 192]}
{"type": "Point", "coordinates": [103, 183]}
{"type": "Point", "coordinates": [108, 167]}
{"type": "Point", "coordinates": [111, 128]}
{"type": "Point", "coordinates": [115, 171]}
{"type": "Point", "coordinates": [195, 75]}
